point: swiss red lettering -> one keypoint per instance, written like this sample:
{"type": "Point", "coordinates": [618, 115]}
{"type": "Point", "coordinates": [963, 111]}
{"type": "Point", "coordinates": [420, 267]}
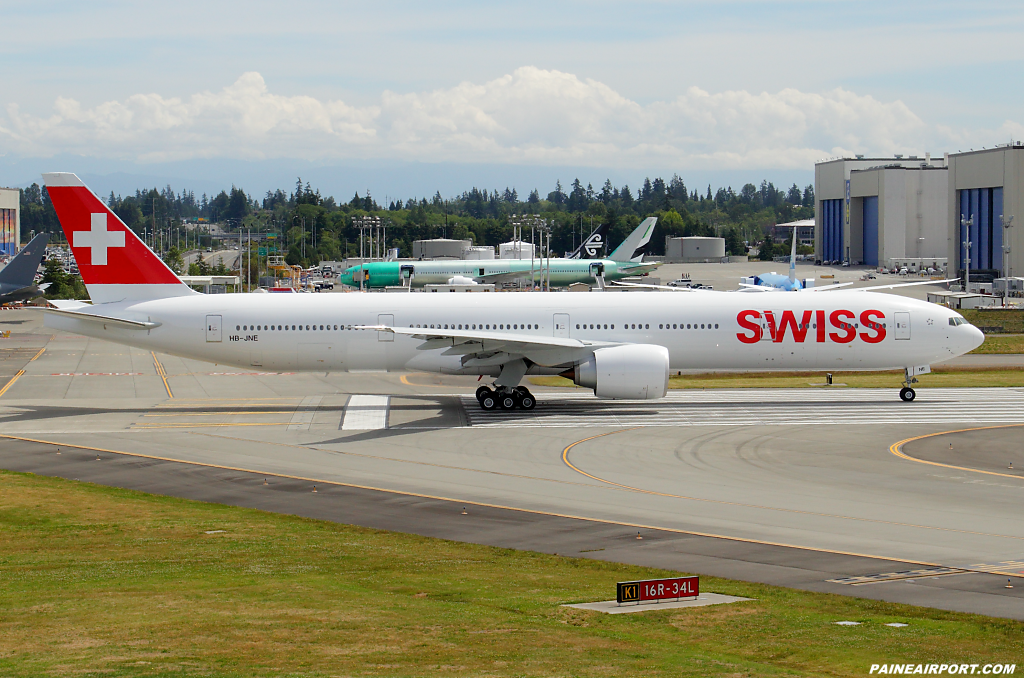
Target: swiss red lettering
{"type": "Point", "coordinates": [842, 320]}
{"type": "Point", "coordinates": [769, 319]}
{"type": "Point", "coordinates": [744, 320]}
{"type": "Point", "coordinates": [799, 328]}
{"type": "Point", "coordinates": [872, 321]}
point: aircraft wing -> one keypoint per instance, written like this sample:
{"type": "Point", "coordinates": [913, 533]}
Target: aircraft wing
{"type": "Point", "coordinates": [508, 276]}
{"type": "Point", "coordinates": [619, 283]}
{"type": "Point", "coordinates": [481, 347]}
{"type": "Point", "coordinates": [881, 287]}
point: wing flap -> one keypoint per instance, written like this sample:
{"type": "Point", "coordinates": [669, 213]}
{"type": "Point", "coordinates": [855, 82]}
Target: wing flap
{"type": "Point", "coordinates": [487, 348]}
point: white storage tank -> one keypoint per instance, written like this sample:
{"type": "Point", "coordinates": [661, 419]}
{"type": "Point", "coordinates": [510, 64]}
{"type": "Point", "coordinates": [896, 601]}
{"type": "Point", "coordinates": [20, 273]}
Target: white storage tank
{"type": "Point", "coordinates": [478, 253]}
{"type": "Point", "coordinates": [515, 250]}
{"type": "Point", "coordinates": [694, 249]}
{"type": "Point", "coordinates": [439, 248]}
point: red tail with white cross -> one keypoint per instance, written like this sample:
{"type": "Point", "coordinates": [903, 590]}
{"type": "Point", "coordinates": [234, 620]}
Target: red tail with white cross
{"type": "Point", "coordinates": [115, 265]}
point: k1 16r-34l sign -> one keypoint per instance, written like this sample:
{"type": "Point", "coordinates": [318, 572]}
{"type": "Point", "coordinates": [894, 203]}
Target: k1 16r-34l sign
{"type": "Point", "coordinates": [657, 589]}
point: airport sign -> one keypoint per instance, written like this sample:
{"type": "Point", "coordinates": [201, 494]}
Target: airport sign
{"type": "Point", "coordinates": [657, 589]}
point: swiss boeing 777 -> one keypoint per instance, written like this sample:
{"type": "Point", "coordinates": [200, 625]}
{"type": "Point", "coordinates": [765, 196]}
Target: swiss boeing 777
{"type": "Point", "coordinates": [622, 345]}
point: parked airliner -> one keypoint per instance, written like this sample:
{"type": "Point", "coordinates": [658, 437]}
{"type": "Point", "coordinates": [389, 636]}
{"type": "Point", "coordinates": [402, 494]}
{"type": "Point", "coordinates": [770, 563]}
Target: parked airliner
{"type": "Point", "coordinates": [626, 261]}
{"type": "Point", "coordinates": [621, 345]}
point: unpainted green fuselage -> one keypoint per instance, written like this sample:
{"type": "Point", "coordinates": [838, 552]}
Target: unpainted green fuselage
{"type": "Point", "coordinates": [501, 272]}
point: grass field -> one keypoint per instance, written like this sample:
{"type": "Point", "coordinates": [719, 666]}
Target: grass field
{"type": "Point", "coordinates": [1009, 321]}
{"type": "Point", "coordinates": [1002, 343]}
{"type": "Point", "coordinates": [940, 377]}
{"type": "Point", "coordinates": [100, 581]}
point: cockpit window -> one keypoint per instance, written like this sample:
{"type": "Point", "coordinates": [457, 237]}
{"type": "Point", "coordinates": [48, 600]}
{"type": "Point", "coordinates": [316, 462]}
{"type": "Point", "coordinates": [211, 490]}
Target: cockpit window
{"type": "Point", "coordinates": [955, 321]}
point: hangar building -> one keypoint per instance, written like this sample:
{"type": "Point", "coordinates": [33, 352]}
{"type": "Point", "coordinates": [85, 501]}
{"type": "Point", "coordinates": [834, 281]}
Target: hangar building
{"type": "Point", "coordinates": [985, 190]}
{"type": "Point", "coordinates": [10, 221]}
{"type": "Point", "coordinates": [875, 210]}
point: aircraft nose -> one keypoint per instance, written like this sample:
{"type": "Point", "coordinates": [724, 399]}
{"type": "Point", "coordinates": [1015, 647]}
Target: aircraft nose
{"type": "Point", "coordinates": [975, 337]}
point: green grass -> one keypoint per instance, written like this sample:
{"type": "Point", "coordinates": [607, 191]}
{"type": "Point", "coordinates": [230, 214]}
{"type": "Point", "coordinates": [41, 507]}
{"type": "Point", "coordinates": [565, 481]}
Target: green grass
{"type": "Point", "coordinates": [940, 377]}
{"type": "Point", "coordinates": [1008, 321]}
{"type": "Point", "coordinates": [1002, 343]}
{"type": "Point", "coordinates": [119, 583]}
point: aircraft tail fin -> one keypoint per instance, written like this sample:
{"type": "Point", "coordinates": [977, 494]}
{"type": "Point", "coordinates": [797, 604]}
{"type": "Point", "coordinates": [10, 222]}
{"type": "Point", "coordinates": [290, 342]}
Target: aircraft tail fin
{"type": "Point", "coordinates": [21, 270]}
{"type": "Point", "coordinates": [115, 264]}
{"type": "Point", "coordinates": [630, 249]}
{"type": "Point", "coordinates": [792, 258]}
{"type": "Point", "coordinates": [591, 247]}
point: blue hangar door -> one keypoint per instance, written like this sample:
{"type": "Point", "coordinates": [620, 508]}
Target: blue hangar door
{"type": "Point", "coordinates": [871, 231]}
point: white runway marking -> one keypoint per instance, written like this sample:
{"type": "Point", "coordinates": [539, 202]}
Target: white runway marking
{"type": "Point", "coordinates": [764, 407]}
{"type": "Point", "coordinates": [303, 416]}
{"type": "Point", "coordinates": [366, 413]}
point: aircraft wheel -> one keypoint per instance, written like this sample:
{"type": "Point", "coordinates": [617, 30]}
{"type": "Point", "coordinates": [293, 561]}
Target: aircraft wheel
{"type": "Point", "coordinates": [507, 401]}
{"type": "Point", "coordinates": [489, 401]}
{"type": "Point", "coordinates": [526, 399]}
{"type": "Point", "coordinates": [907, 394]}
{"type": "Point", "coordinates": [482, 391]}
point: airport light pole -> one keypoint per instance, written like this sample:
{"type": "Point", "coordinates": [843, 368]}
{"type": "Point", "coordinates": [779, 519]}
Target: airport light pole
{"type": "Point", "coordinates": [965, 226]}
{"type": "Point", "coordinates": [1007, 223]}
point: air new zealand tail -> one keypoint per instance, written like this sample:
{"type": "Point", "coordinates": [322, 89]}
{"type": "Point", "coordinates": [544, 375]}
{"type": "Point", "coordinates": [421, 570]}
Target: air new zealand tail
{"type": "Point", "coordinates": [17, 278]}
{"type": "Point", "coordinates": [593, 246]}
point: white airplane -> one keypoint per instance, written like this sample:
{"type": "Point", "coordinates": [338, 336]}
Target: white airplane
{"type": "Point", "coordinates": [620, 345]}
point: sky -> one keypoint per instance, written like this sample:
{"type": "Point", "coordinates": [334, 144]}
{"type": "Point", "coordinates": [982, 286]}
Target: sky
{"type": "Point", "coordinates": [408, 98]}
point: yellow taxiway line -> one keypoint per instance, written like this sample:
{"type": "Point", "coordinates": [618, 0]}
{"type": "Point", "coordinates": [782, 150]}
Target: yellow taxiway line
{"type": "Point", "coordinates": [897, 449]}
{"type": "Point", "coordinates": [639, 526]}
{"type": "Point", "coordinates": [11, 382]}
{"type": "Point", "coordinates": [163, 375]}
{"type": "Point", "coordinates": [565, 458]}
{"type": "Point", "coordinates": [38, 354]}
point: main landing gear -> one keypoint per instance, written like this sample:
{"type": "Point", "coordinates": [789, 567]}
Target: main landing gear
{"type": "Point", "coordinates": [505, 398]}
{"type": "Point", "coordinates": [907, 393]}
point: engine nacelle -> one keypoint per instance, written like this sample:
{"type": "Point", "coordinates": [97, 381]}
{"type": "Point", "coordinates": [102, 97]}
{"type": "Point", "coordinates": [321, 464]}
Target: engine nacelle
{"type": "Point", "coordinates": [633, 372]}
{"type": "Point", "coordinates": [461, 280]}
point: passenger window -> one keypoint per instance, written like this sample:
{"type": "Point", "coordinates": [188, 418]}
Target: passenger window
{"type": "Point", "coordinates": [238, 328]}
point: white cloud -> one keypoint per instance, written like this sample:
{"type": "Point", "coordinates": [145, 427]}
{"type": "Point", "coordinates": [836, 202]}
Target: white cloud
{"type": "Point", "coordinates": [532, 116]}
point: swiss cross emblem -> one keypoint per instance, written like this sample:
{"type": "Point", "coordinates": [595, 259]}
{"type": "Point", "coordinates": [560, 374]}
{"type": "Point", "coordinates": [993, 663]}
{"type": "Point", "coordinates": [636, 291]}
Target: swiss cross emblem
{"type": "Point", "coordinates": [98, 239]}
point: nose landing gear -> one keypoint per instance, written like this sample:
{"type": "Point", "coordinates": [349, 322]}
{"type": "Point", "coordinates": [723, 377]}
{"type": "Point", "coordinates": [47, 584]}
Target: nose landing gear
{"type": "Point", "coordinates": [907, 393]}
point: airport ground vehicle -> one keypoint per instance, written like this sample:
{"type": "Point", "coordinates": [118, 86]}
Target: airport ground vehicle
{"type": "Point", "coordinates": [620, 345]}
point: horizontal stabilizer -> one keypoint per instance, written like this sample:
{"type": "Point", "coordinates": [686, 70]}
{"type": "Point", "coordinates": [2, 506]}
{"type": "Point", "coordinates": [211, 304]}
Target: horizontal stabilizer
{"type": "Point", "coordinates": [106, 321]}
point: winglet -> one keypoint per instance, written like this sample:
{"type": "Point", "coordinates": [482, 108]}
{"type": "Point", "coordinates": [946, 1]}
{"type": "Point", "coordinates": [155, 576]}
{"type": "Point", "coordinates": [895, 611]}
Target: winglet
{"type": "Point", "coordinates": [635, 241]}
{"type": "Point", "coordinates": [792, 258]}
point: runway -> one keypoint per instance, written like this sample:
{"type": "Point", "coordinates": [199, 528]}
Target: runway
{"type": "Point", "coordinates": [764, 407]}
{"type": "Point", "coordinates": [797, 487]}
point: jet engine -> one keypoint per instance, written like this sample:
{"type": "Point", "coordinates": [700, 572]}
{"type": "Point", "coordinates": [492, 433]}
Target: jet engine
{"type": "Point", "coordinates": [632, 372]}
{"type": "Point", "coordinates": [461, 280]}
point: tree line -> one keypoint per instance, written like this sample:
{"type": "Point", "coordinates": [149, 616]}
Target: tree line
{"type": "Point", "coordinates": [314, 228]}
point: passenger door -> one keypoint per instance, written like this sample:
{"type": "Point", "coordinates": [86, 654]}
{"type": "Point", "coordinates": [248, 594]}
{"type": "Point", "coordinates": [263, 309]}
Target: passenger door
{"type": "Point", "coordinates": [901, 320]}
{"type": "Point", "coordinates": [213, 328]}
{"type": "Point", "coordinates": [560, 325]}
